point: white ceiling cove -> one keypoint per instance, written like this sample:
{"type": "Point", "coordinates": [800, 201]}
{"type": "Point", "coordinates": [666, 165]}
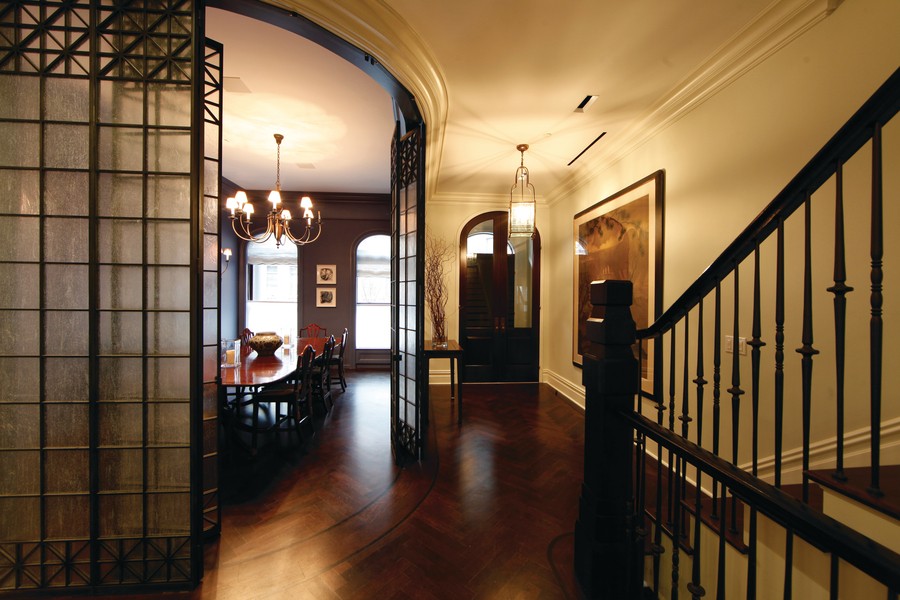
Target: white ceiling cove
{"type": "Point", "coordinates": [336, 121]}
{"type": "Point", "coordinates": [509, 72]}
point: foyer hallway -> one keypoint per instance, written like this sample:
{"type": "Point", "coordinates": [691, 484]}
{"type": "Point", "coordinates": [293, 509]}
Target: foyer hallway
{"type": "Point", "coordinates": [489, 513]}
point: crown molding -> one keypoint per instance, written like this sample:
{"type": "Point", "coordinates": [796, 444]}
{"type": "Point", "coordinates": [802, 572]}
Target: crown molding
{"type": "Point", "coordinates": [776, 27]}
{"type": "Point", "coordinates": [376, 28]}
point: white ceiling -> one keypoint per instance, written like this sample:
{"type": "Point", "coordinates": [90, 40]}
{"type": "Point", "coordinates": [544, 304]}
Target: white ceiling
{"type": "Point", "coordinates": [513, 72]}
{"type": "Point", "coordinates": [337, 122]}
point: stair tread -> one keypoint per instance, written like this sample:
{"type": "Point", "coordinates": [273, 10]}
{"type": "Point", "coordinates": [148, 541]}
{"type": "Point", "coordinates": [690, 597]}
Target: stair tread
{"type": "Point", "coordinates": [856, 486]}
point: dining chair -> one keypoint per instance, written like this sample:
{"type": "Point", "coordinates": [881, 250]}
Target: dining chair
{"type": "Point", "coordinates": [337, 363]}
{"type": "Point", "coordinates": [246, 334]}
{"type": "Point", "coordinates": [284, 404]}
{"type": "Point", "coordinates": [313, 330]}
{"type": "Point", "coordinates": [321, 376]}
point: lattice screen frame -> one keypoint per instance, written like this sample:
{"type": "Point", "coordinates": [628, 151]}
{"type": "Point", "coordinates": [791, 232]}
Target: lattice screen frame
{"type": "Point", "coordinates": [99, 295]}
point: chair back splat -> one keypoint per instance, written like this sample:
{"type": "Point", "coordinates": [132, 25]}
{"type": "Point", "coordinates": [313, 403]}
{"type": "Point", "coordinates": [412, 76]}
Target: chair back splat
{"type": "Point", "coordinates": [313, 330]}
{"type": "Point", "coordinates": [337, 363]}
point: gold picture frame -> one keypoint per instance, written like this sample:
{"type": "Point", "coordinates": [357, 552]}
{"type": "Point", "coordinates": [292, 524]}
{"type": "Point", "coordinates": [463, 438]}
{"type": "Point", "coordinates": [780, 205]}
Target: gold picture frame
{"type": "Point", "coordinates": [621, 237]}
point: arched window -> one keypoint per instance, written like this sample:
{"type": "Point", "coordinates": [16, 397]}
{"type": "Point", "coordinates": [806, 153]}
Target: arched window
{"type": "Point", "coordinates": [272, 287]}
{"type": "Point", "coordinates": [373, 293]}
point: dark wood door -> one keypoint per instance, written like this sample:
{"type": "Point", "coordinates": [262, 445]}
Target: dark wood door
{"type": "Point", "coordinates": [499, 301]}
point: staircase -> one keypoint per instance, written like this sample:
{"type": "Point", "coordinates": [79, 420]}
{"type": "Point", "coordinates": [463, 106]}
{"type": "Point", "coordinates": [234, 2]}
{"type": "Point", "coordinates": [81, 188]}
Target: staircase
{"type": "Point", "coordinates": [771, 473]}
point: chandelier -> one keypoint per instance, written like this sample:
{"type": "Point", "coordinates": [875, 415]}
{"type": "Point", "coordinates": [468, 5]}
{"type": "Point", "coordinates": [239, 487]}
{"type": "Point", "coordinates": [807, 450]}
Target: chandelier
{"type": "Point", "coordinates": [278, 219]}
{"type": "Point", "coordinates": [521, 201]}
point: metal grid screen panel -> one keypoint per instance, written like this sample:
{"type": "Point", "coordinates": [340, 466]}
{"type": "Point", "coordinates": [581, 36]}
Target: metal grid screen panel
{"type": "Point", "coordinates": [406, 422]}
{"type": "Point", "coordinates": [95, 164]}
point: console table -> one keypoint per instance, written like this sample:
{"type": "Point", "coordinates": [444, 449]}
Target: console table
{"type": "Point", "coordinates": [454, 352]}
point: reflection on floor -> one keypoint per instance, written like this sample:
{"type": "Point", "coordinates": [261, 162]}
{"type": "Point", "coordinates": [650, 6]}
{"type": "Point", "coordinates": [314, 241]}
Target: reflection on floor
{"type": "Point", "coordinates": [488, 514]}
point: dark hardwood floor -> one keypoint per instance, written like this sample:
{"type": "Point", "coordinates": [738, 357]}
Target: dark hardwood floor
{"type": "Point", "coordinates": [488, 514]}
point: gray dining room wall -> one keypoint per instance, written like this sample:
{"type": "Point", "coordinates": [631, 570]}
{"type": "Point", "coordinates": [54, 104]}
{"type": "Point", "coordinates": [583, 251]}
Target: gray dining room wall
{"type": "Point", "coordinates": [346, 220]}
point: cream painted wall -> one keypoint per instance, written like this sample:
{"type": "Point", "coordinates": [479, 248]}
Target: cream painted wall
{"type": "Point", "coordinates": [727, 159]}
{"type": "Point", "coordinates": [724, 161]}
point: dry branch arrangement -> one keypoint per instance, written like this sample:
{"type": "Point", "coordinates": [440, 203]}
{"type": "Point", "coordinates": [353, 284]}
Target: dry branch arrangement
{"type": "Point", "coordinates": [438, 254]}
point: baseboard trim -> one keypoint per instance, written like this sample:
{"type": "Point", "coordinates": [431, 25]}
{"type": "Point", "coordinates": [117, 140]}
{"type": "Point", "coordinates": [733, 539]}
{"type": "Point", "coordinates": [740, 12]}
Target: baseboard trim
{"type": "Point", "coordinates": [573, 393]}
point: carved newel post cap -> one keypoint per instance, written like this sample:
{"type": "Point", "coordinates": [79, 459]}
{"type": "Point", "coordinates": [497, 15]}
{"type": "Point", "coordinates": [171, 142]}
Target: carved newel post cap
{"type": "Point", "coordinates": [610, 292]}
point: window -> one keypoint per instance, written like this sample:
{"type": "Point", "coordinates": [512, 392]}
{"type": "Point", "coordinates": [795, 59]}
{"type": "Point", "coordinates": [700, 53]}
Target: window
{"type": "Point", "coordinates": [272, 287]}
{"type": "Point", "coordinates": [373, 293]}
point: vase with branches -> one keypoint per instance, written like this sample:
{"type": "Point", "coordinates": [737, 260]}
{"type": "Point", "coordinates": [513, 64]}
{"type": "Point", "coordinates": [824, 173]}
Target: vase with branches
{"type": "Point", "coordinates": [438, 254]}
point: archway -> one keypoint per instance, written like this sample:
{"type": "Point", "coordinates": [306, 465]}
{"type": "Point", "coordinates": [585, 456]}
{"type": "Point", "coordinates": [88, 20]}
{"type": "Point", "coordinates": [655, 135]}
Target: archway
{"type": "Point", "coordinates": [499, 296]}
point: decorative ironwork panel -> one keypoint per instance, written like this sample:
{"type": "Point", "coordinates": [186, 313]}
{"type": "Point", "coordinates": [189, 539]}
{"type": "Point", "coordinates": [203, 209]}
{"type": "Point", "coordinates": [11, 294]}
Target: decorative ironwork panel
{"type": "Point", "coordinates": [406, 269]}
{"type": "Point", "coordinates": [95, 294]}
{"type": "Point", "coordinates": [212, 151]}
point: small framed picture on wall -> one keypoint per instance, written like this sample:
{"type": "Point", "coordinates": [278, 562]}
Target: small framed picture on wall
{"type": "Point", "coordinates": [326, 297]}
{"type": "Point", "coordinates": [326, 274]}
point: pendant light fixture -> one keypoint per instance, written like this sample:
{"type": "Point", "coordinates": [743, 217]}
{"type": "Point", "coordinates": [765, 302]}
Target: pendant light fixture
{"type": "Point", "coordinates": [521, 201]}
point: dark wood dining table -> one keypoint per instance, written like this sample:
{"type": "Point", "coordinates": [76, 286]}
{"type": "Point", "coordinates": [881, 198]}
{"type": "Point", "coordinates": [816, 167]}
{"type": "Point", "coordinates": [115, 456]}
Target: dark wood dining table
{"type": "Point", "coordinates": [256, 370]}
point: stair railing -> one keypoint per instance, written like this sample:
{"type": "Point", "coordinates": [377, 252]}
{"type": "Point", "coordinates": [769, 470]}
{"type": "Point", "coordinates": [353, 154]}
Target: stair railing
{"type": "Point", "coordinates": [707, 475]}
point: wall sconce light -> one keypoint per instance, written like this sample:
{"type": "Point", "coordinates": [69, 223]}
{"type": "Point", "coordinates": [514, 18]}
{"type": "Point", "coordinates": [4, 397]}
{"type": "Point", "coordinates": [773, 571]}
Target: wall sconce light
{"type": "Point", "coordinates": [226, 252]}
{"type": "Point", "coordinates": [521, 201]}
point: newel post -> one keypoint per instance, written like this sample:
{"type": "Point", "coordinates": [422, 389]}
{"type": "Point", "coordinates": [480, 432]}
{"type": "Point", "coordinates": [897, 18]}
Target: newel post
{"type": "Point", "coordinates": [605, 563]}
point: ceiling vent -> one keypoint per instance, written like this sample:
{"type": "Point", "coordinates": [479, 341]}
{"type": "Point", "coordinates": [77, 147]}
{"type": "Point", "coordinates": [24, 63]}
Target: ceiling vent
{"type": "Point", "coordinates": [234, 84]}
{"type": "Point", "coordinates": [586, 103]}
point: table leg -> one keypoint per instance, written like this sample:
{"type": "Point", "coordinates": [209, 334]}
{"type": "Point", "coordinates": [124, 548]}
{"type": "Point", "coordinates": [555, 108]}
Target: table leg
{"type": "Point", "coordinates": [459, 387]}
{"type": "Point", "coordinates": [452, 392]}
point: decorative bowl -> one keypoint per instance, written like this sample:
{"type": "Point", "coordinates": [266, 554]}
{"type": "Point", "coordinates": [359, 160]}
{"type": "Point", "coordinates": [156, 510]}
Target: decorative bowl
{"type": "Point", "coordinates": [266, 343]}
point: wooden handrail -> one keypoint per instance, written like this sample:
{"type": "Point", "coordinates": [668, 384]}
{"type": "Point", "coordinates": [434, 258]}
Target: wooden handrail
{"type": "Point", "coordinates": [818, 529]}
{"type": "Point", "coordinates": [879, 109]}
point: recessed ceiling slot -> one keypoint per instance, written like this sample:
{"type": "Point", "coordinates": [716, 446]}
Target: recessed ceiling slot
{"type": "Point", "coordinates": [588, 147]}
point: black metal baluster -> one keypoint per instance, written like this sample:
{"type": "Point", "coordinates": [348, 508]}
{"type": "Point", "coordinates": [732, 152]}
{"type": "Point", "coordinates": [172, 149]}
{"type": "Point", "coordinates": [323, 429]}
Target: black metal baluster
{"type": "Point", "coordinates": [720, 574]}
{"type": "Point", "coordinates": [641, 530]}
{"type": "Point", "coordinates": [735, 389]}
{"type": "Point", "coordinates": [840, 291]}
{"type": "Point", "coordinates": [685, 419]}
{"type": "Point", "coordinates": [756, 344]}
{"type": "Point", "coordinates": [676, 530]}
{"type": "Point", "coordinates": [670, 487]}
{"type": "Point", "coordinates": [717, 377]}
{"type": "Point", "coordinates": [835, 572]}
{"type": "Point", "coordinates": [700, 381]}
{"type": "Point", "coordinates": [779, 350]}
{"type": "Point", "coordinates": [875, 324]}
{"type": "Point", "coordinates": [807, 351]}
{"type": "Point", "coordinates": [697, 591]}
{"type": "Point", "coordinates": [788, 564]}
{"type": "Point", "coordinates": [656, 548]}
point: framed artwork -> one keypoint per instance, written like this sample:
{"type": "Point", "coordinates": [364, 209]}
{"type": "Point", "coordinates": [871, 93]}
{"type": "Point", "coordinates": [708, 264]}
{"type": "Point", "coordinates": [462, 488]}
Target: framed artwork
{"type": "Point", "coordinates": [326, 297]}
{"type": "Point", "coordinates": [326, 274]}
{"type": "Point", "coordinates": [621, 237]}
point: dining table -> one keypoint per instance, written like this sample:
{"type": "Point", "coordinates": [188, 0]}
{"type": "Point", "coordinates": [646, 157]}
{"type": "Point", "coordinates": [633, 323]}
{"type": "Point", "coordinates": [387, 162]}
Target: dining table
{"type": "Point", "coordinates": [256, 370]}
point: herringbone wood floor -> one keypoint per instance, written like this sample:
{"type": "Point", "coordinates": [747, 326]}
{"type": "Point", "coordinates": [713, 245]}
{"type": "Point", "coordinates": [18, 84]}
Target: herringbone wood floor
{"type": "Point", "coordinates": [488, 514]}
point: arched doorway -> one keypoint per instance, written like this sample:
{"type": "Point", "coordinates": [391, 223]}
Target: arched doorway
{"type": "Point", "coordinates": [499, 297]}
